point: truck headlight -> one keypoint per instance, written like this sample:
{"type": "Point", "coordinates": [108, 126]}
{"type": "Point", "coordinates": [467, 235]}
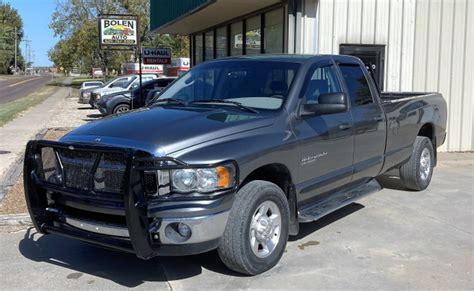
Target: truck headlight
{"type": "Point", "coordinates": [87, 94]}
{"type": "Point", "coordinates": [203, 179]}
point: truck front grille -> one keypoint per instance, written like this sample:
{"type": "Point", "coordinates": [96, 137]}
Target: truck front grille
{"type": "Point", "coordinates": [83, 170]}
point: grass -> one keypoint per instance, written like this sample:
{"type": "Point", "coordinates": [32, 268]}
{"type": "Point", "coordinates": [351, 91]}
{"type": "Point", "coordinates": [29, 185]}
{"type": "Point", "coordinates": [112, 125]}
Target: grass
{"type": "Point", "coordinates": [10, 110]}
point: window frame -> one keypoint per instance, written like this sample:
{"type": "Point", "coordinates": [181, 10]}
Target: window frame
{"type": "Point", "coordinates": [346, 88]}
{"type": "Point", "coordinates": [243, 19]}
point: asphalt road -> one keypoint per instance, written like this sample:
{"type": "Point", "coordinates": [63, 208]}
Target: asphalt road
{"type": "Point", "coordinates": [393, 240]}
{"type": "Point", "coordinates": [13, 88]}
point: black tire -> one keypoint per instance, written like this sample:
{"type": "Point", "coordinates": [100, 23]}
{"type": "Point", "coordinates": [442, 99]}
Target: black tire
{"type": "Point", "coordinates": [121, 108]}
{"type": "Point", "coordinates": [411, 173]}
{"type": "Point", "coordinates": [235, 246]}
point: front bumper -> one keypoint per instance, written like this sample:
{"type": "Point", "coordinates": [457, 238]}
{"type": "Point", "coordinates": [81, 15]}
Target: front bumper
{"type": "Point", "coordinates": [131, 222]}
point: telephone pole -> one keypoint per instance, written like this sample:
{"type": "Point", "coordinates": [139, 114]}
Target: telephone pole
{"type": "Point", "coordinates": [27, 53]}
{"type": "Point", "coordinates": [16, 36]}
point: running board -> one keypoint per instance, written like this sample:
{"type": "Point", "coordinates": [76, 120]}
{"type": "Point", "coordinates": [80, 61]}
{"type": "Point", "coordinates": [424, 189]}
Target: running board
{"type": "Point", "coordinates": [336, 201]}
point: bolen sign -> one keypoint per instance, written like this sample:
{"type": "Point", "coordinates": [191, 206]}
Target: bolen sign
{"type": "Point", "coordinates": [116, 30]}
{"type": "Point", "coordinates": [153, 56]}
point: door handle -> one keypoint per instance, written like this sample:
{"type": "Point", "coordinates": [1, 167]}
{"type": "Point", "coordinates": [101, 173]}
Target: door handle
{"type": "Point", "coordinates": [345, 126]}
{"type": "Point", "coordinates": [378, 118]}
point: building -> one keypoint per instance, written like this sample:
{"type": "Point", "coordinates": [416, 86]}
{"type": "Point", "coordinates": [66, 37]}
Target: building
{"type": "Point", "coordinates": [413, 45]}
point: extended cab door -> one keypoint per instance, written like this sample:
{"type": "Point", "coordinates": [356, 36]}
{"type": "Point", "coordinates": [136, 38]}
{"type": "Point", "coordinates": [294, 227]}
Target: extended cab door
{"type": "Point", "coordinates": [368, 118]}
{"type": "Point", "coordinates": [325, 141]}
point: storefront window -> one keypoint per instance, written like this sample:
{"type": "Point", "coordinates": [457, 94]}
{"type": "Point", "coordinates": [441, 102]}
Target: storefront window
{"type": "Point", "coordinates": [221, 42]}
{"type": "Point", "coordinates": [274, 31]}
{"type": "Point", "coordinates": [198, 49]}
{"type": "Point", "coordinates": [209, 45]}
{"type": "Point", "coordinates": [253, 36]}
{"type": "Point", "coordinates": [236, 38]}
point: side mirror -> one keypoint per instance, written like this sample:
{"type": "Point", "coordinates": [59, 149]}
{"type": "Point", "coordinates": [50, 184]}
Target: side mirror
{"type": "Point", "coordinates": [328, 103]}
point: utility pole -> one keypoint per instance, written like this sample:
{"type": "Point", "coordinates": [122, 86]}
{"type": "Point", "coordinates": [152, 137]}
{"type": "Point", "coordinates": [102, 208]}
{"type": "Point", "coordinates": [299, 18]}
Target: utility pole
{"type": "Point", "coordinates": [27, 52]}
{"type": "Point", "coordinates": [16, 35]}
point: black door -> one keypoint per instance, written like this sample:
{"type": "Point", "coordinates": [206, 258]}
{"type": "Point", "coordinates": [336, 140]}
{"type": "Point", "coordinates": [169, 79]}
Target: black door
{"type": "Point", "coordinates": [373, 56]}
{"type": "Point", "coordinates": [368, 119]}
{"type": "Point", "coordinates": [326, 141]}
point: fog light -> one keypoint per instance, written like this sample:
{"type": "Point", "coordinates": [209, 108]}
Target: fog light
{"type": "Point", "coordinates": [184, 230]}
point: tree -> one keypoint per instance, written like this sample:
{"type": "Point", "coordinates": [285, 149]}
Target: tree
{"type": "Point", "coordinates": [76, 23]}
{"type": "Point", "coordinates": [11, 27]}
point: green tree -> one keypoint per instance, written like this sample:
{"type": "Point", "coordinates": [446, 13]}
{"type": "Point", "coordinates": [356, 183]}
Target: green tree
{"type": "Point", "coordinates": [75, 22]}
{"type": "Point", "coordinates": [11, 27]}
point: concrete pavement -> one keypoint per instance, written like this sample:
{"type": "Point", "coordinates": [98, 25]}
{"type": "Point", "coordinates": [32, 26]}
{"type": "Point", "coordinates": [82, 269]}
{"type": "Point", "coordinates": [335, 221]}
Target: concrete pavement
{"type": "Point", "coordinates": [393, 239]}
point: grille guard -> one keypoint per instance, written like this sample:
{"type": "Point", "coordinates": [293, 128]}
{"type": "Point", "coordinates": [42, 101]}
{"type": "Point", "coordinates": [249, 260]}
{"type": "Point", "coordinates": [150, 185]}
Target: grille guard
{"type": "Point", "coordinates": [134, 200]}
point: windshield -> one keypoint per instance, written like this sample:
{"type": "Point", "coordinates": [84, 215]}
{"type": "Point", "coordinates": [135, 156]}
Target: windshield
{"type": "Point", "coordinates": [257, 84]}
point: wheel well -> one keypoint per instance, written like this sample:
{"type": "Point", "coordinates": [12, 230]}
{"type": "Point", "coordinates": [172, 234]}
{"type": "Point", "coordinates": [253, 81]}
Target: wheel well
{"type": "Point", "coordinates": [275, 173]}
{"type": "Point", "coordinates": [428, 131]}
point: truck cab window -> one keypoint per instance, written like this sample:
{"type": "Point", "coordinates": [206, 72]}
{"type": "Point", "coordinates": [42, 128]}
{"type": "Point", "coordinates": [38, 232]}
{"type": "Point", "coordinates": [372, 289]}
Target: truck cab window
{"type": "Point", "coordinates": [323, 80]}
{"type": "Point", "coordinates": [357, 85]}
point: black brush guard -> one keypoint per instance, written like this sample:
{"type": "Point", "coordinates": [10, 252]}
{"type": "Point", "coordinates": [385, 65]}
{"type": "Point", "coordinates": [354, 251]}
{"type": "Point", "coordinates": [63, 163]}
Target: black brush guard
{"type": "Point", "coordinates": [131, 203]}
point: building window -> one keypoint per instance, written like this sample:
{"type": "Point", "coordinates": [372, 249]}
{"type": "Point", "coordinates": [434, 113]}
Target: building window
{"type": "Point", "coordinates": [209, 45]}
{"type": "Point", "coordinates": [236, 39]}
{"type": "Point", "coordinates": [198, 49]}
{"type": "Point", "coordinates": [221, 42]}
{"type": "Point", "coordinates": [273, 41]}
{"type": "Point", "coordinates": [253, 35]}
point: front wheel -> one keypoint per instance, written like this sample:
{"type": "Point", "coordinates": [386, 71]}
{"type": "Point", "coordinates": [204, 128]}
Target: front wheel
{"type": "Point", "coordinates": [416, 173]}
{"type": "Point", "coordinates": [257, 229]}
{"type": "Point", "coordinates": [121, 108]}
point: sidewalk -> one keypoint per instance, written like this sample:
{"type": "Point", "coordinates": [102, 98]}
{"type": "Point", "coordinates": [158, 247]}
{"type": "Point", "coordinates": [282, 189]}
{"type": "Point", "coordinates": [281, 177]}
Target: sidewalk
{"type": "Point", "coordinates": [15, 134]}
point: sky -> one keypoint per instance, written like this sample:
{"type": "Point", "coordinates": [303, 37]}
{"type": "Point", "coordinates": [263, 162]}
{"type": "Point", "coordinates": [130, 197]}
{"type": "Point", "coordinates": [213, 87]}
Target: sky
{"type": "Point", "coordinates": [36, 16]}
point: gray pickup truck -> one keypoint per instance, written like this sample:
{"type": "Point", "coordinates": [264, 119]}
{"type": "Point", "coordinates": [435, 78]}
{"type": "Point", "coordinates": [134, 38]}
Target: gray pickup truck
{"type": "Point", "coordinates": [233, 156]}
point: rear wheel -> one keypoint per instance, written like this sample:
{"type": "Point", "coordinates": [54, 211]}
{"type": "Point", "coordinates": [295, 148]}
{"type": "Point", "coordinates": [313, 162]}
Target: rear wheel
{"type": "Point", "coordinates": [257, 229]}
{"type": "Point", "coordinates": [121, 108]}
{"type": "Point", "coordinates": [416, 173]}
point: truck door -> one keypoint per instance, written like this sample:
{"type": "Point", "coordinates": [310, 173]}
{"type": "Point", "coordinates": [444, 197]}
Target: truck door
{"type": "Point", "coordinates": [368, 119]}
{"type": "Point", "coordinates": [326, 141]}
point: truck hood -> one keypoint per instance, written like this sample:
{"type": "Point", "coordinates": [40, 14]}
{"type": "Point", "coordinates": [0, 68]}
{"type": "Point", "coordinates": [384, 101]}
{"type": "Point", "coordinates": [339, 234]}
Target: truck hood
{"type": "Point", "coordinates": [164, 130]}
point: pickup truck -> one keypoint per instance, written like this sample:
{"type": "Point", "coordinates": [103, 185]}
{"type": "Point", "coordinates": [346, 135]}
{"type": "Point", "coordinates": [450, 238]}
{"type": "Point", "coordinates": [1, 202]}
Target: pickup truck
{"type": "Point", "coordinates": [233, 156]}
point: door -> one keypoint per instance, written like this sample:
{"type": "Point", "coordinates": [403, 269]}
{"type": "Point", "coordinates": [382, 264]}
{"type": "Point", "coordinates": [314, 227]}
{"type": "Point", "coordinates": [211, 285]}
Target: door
{"type": "Point", "coordinates": [373, 56]}
{"type": "Point", "coordinates": [326, 142]}
{"type": "Point", "coordinates": [368, 120]}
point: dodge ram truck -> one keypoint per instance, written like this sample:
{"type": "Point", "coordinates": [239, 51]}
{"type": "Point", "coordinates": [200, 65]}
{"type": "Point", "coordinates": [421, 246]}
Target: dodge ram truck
{"type": "Point", "coordinates": [233, 156]}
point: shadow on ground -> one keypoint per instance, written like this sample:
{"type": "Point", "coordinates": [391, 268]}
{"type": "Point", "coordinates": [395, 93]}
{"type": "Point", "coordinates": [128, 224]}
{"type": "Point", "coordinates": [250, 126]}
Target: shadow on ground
{"type": "Point", "coordinates": [128, 270]}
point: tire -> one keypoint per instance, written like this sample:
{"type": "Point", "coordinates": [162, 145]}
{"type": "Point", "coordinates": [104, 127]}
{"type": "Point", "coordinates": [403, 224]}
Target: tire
{"type": "Point", "coordinates": [121, 108]}
{"type": "Point", "coordinates": [416, 173]}
{"type": "Point", "coordinates": [235, 249]}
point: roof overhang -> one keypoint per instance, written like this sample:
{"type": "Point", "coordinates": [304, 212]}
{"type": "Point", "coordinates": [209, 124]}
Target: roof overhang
{"type": "Point", "coordinates": [204, 14]}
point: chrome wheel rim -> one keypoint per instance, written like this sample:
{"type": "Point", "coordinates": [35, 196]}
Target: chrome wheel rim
{"type": "Point", "coordinates": [265, 229]}
{"type": "Point", "coordinates": [122, 109]}
{"type": "Point", "coordinates": [425, 164]}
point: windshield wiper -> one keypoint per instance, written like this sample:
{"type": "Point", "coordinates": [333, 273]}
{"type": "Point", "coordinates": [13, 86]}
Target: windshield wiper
{"type": "Point", "coordinates": [169, 100]}
{"type": "Point", "coordinates": [223, 101]}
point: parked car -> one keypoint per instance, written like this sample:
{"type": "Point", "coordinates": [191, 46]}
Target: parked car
{"type": "Point", "coordinates": [119, 84]}
{"type": "Point", "coordinates": [124, 101]}
{"type": "Point", "coordinates": [234, 155]}
{"type": "Point", "coordinates": [88, 86]}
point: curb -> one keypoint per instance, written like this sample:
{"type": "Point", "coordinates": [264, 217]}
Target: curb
{"type": "Point", "coordinates": [22, 219]}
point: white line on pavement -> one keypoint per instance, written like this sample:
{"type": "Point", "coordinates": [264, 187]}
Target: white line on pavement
{"type": "Point", "coordinates": [21, 82]}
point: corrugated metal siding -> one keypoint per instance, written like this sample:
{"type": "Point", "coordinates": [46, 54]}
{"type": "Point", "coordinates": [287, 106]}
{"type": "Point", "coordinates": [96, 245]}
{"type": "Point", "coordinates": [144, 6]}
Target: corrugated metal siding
{"type": "Point", "coordinates": [164, 11]}
{"type": "Point", "coordinates": [429, 47]}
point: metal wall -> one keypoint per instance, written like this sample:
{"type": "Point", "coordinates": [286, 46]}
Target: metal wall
{"type": "Point", "coordinates": [429, 47]}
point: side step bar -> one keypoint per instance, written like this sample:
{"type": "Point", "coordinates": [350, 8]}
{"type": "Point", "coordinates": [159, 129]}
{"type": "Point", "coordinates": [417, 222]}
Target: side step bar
{"type": "Point", "coordinates": [336, 201]}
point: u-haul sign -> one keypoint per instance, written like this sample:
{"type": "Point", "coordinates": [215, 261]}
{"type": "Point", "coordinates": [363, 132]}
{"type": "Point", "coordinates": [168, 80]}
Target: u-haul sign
{"type": "Point", "coordinates": [152, 56]}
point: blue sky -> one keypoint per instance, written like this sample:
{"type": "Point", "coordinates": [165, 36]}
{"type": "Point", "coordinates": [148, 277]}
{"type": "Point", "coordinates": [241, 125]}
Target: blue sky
{"type": "Point", "coordinates": [36, 15]}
